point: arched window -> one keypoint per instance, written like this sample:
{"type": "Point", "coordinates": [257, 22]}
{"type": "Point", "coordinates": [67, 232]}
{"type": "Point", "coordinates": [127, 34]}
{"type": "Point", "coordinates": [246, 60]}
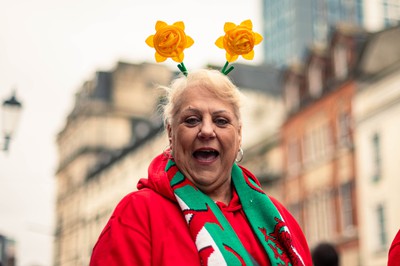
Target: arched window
{"type": "Point", "coordinates": [340, 61]}
{"type": "Point", "coordinates": [315, 79]}
{"type": "Point", "coordinates": [292, 95]}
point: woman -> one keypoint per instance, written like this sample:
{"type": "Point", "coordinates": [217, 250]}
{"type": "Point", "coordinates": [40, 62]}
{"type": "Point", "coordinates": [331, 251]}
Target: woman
{"type": "Point", "coordinates": [197, 206]}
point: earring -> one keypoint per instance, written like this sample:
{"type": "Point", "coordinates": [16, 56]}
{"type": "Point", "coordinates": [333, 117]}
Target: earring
{"type": "Point", "coordinates": [239, 156]}
{"type": "Point", "coordinates": [167, 152]}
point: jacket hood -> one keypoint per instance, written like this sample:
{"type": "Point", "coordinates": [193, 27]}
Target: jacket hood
{"type": "Point", "coordinates": [157, 179]}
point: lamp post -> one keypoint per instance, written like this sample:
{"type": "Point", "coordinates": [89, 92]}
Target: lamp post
{"type": "Point", "coordinates": [11, 110]}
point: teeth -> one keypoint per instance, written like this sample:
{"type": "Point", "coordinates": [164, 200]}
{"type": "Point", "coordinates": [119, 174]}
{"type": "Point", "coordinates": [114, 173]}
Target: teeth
{"type": "Point", "coordinates": [205, 155]}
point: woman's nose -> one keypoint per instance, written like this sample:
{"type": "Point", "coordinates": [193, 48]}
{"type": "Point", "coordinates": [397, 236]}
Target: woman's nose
{"type": "Point", "coordinates": [207, 130]}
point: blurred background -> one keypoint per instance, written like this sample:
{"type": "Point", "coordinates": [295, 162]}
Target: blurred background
{"type": "Point", "coordinates": [79, 120]}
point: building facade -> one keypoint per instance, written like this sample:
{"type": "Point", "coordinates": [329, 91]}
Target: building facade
{"type": "Point", "coordinates": [377, 123]}
{"type": "Point", "coordinates": [338, 140]}
{"type": "Point", "coordinates": [114, 112]}
{"type": "Point", "coordinates": [291, 26]}
{"type": "Point", "coordinates": [381, 14]}
{"type": "Point", "coordinates": [319, 180]}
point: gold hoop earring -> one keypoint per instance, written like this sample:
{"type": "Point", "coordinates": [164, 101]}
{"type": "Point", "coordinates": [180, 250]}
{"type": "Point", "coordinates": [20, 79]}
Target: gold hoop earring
{"type": "Point", "coordinates": [239, 156]}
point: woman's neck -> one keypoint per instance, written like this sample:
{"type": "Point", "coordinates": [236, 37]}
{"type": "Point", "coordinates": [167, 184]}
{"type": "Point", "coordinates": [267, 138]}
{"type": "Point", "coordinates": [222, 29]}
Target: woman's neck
{"type": "Point", "coordinates": [222, 194]}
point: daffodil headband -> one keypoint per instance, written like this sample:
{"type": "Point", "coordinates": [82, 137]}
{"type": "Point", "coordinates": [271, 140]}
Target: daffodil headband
{"type": "Point", "coordinates": [170, 41]}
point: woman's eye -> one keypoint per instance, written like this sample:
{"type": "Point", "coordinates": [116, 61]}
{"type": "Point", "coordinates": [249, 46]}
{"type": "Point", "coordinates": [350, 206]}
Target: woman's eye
{"type": "Point", "coordinates": [221, 121]}
{"type": "Point", "coordinates": [192, 120]}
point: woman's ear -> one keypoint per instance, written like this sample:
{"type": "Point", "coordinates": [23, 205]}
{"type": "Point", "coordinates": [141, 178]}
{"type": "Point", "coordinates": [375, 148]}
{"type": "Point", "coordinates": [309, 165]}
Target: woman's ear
{"type": "Point", "coordinates": [240, 135]}
{"type": "Point", "coordinates": [169, 131]}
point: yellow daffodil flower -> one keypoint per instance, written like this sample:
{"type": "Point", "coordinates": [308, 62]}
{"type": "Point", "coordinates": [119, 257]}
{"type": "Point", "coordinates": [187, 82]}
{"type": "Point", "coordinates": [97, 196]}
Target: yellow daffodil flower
{"type": "Point", "coordinates": [169, 41]}
{"type": "Point", "coordinates": [239, 40]}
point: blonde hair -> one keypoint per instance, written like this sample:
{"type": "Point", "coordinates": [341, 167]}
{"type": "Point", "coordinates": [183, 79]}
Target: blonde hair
{"type": "Point", "coordinates": [212, 80]}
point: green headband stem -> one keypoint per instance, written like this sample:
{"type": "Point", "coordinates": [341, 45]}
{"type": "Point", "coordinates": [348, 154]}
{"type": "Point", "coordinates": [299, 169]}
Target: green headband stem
{"type": "Point", "coordinates": [226, 71]}
{"type": "Point", "coordinates": [229, 70]}
{"type": "Point", "coordinates": [183, 69]}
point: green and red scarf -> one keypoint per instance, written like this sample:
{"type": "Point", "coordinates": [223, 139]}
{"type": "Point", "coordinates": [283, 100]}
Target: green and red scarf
{"type": "Point", "coordinates": [215, 239]}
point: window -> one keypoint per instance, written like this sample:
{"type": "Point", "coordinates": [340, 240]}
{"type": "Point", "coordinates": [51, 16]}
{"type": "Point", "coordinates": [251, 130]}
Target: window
{"type": "Point", "coordinates": [293, 151]}
{"type": "Point", "coordinates": [325, 140]}
{"type": "Point", "coordinates": [381, 222]}
{"type": "Point", "coordinates": [320, 216]}
{"type": "Point", "coordinates": [340, 62]}
{"type": "Point", "coordinates": [309, 147]}
{"type": "Point", "coordinates": [344, 129]}
{"type": "Point", "coordinates": [391, 10]}
{"type": "Point", "coordinates": [315, 79]}
{"type": "Point", "coordinates": [317, 143]}
{"type": "Point", "coordinates": [292, 95]}
{"type": "Point", "coordinates": [376, 153]}
{"type": "Point", "coordinates": [346, 202]}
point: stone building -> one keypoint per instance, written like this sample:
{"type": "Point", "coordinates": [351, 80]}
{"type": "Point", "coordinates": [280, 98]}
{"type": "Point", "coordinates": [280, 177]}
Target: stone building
{"type": "Point", "coordinates": [114, 113]}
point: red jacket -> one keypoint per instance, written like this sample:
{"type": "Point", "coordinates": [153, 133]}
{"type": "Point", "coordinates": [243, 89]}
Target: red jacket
{"type": "Point", "coordinates": [148, 228]}
{"type": "Point", "coordinates": [394, 251]}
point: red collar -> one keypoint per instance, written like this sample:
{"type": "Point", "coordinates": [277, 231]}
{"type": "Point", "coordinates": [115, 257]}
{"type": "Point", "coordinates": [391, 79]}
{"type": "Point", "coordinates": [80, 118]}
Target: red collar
{"type": "Point", "coordinates": [234, 204]}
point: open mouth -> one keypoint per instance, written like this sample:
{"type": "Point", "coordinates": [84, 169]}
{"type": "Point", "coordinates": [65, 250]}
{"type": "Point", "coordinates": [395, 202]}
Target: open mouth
{"type": "Point", "coordinates": [206, 155]}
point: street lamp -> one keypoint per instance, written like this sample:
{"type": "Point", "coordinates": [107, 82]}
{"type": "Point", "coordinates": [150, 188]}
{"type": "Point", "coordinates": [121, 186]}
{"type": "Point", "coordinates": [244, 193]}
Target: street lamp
{"type": "Point", "coordinates": [11, 113]}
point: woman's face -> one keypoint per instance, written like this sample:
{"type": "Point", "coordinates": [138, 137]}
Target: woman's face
{"type": "Point", "coordinates": [205, 137]}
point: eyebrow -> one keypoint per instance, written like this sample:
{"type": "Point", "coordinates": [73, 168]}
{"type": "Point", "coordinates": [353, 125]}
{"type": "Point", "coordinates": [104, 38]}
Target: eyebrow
{"type": "Point", "coordinates": [197, 111]}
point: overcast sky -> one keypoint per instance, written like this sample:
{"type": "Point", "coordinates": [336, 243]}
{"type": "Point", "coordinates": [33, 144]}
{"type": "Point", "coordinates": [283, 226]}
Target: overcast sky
{"type": "Point", "coordinates": [48, 48]}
